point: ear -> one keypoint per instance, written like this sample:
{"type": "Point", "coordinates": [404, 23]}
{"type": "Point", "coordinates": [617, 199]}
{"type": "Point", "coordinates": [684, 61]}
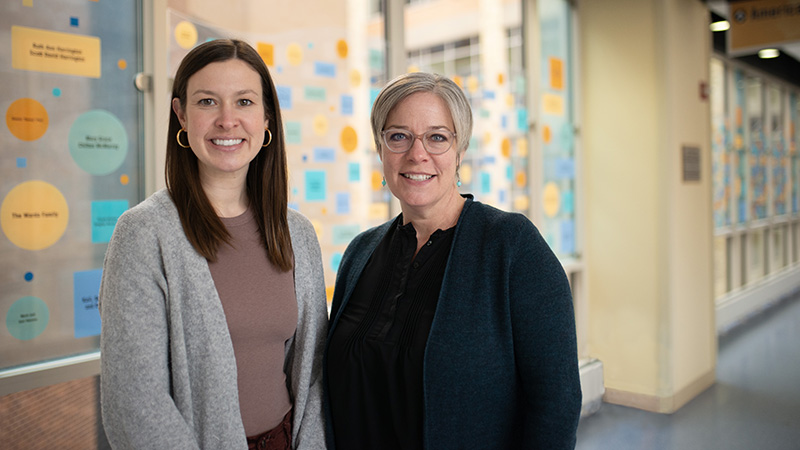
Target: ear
{"type": "Point", "coordinates": [176, 107]}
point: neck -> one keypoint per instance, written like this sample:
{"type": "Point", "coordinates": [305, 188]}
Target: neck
{"type": "Point", "coordinates": [227, 196]}
{"type": "Point", "coordinates": [440, 217]}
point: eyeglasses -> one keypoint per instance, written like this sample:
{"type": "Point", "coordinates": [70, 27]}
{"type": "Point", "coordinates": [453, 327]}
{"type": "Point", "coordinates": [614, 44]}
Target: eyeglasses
{"type": "Point", "coordinates": [435, 142]}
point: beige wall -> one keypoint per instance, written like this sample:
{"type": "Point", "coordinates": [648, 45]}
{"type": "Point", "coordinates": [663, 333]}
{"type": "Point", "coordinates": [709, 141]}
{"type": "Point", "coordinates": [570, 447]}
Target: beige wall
{"type": "Point", "coordinates": [648, 234]}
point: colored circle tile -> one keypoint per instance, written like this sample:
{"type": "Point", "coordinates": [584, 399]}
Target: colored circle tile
{"type": "Point", "coordinates": [28, 276]}
{"type": "Point", "coordinates": [355, 78]}
{"type": "Point", "coordinates": [320, 125]}
{"type": "Point", "coordinates": [34, 215]}
{"type": "Point", "coordinates": [98, 142]}
{"type": "Point", "coordinates": [124, 180]}
{"type": "Point", "coordinates": [27, 119]}
{"type": "Point", "coordinates": [349, 139]}
{"type": "Point", "coordinates": [505, 147]}
{"type": "Point", "coordinates": [341, 48]}
{"type": "Point", "coordinates": [56, 92]}
{"type": "Point", "coordinates": [186, 34]}
{"type": "Point", "coordinates": [122, 64]}
{"type": "Point", "coordinates": [551, 199]}
{"type": "Point", "coordinates": [376, 179]}
{"type": "Point", "coordinates": [27, 318]}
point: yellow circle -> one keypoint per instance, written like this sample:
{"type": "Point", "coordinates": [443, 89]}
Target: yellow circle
{"type": "Point", "coordinates": [320, 125]}
{"type": "Point", "coordinates": [472, 84]}
{"type": "Point", "coordinates": [522, 203]}
{"type": "Point", "coordinates": [122, 64]}
{"type": "Point", "coordinates": [501, 79]}
{"type": "Point", "coordinates": [34, 215]}
{"type": "Point", "coordinates": [186, 34]}
{"type": "Point", "coordinates": [551, 199]}
{"type": "Point", "coordinates": [412, 69]}
{"type": "Point", "coordinates": [341, 48]}
{"type": "Point", "coordinates": [547, 134]}
{"type": "Point", "coordinates": [521, 179]}
{"type": "Point", "coordinates": [505, 147]}
{"type": "Point", "coordinates": [459, 81]}
{"type": "Point", "coordinates": [522, 147]}
{"type": "Point", "coordinates": [510, 100]}
{"type": "Point", "coordinates": [27, 119]}
{"type": "Point", "coordinates": [349, 139]}
{"type": "Point", "coordinates": [295, 54]}
{"type": "Point", "coordinates": [124, 179]}
{"type": "Point", "coordinates": [355, 78]}
{"type": "Point", "coordinates": [376, 178]}
{"type": "Point", "coordinates": [466, 174]}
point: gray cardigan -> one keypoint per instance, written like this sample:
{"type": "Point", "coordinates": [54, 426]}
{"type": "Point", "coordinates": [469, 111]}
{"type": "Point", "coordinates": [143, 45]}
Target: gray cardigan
{"type": "Point", "coordinates": [168, 371]}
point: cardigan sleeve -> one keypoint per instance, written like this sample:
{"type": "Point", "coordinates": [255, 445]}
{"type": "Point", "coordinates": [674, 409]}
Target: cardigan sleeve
{"type": "Point", "coordinates": [305, 350]}
{"type": "Point", "coordinates": [545, 348]}
{"type": "Point", "coordinates": [137, 408]}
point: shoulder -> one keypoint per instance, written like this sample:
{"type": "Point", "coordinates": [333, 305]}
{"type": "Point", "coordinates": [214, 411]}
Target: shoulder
{"type": "Point", "coordinates": [154, 215]}
{"type": "Point", "coordinates": [479, 217]}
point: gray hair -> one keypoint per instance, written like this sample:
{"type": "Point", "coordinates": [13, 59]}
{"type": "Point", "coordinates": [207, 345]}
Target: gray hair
{"type": "Point", "coordinates": [410, 83]}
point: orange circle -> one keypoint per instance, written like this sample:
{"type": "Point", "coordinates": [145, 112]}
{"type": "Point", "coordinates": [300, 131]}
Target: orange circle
{"type": "Point", "coordinates": [27, 119]}
{"type": "Point", "coordinates": [547, 134]}
{"type": "Point", "coordinates": [122, 64]}
{"type": "Point", "coordinates": [124, 179]}
{"type": "Point", "coordinates": [501, 79]}
{"type": "Point", "coordinates": [459, 81]}
{"type": "Point", "coordinates": [505, 147]}
{"type": "Point", "coordinates": [521, 179]}
{"type": "Point", "coordinates": [376, 180]}
{"type": "Point", "coordinates": [341, 48]}
{"type": "Point", "coordinates": [349, 139]}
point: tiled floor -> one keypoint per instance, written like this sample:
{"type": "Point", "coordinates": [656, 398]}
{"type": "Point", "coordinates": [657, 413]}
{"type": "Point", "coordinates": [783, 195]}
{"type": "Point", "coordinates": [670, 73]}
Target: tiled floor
{"type": "Point", "coordinates": [754, 405]}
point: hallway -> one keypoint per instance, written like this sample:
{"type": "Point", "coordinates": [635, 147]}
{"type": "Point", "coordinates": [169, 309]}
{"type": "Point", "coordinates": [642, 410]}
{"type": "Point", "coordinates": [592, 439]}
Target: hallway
{"type": "Point", "coordinates": [755, 403]}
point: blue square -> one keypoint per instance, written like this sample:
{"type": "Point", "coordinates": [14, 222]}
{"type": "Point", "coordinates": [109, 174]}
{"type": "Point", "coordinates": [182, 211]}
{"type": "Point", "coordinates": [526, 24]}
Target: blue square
{"type": "Point", "coordinates": [73, 21]}
{"type": "Point", "coordinates": [22, 163]}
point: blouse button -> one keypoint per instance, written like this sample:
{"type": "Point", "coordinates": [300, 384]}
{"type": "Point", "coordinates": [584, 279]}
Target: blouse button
{"type": "Point", "coordinates": [416, 265]}
{"type": "Point", "coordinates": [429, 243]}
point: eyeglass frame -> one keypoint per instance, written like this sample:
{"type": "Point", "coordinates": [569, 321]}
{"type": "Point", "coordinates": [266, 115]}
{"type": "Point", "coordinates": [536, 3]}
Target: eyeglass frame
{"type": "Point", "coordinates": [421, 137]}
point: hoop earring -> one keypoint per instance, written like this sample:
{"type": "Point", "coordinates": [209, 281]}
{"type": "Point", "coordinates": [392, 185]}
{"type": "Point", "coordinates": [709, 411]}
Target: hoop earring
{"type": "Point", "coordinates": [270, 137]}
{"type": "Point", "coordinates": [178, 138]}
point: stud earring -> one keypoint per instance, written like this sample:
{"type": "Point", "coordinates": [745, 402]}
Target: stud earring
{"type": "Point", "coordinates": [383, 182]}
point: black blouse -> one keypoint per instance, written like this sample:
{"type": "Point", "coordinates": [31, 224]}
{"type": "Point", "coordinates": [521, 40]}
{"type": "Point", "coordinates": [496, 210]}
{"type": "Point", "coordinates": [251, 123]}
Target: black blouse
{"type": "Point", "coordinates": [375, 355]}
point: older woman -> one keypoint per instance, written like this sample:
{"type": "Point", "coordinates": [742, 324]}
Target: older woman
{"type": "Point", "coordinates": [212, 297]}
{"type": "Point", "coordinates": [452, 325]}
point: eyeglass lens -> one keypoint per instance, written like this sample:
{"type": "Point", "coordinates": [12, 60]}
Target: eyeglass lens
{"type": "Point", "coordinates": [434, 141]}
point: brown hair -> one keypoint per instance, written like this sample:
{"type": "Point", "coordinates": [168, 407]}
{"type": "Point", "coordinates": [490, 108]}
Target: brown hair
{"type": "Point", "coordinates": [267, 177]}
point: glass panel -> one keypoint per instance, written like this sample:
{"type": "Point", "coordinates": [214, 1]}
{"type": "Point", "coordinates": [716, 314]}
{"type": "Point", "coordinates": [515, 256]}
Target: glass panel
{"type": "Point", "coordinates": [487, 64]}
{"type": "Point", "coordinates": [71, 167]}
{"type": "Point", "coordinates": [757, 158]}
{"type": "Point", "coordinates": [557, 127]}
{"type": "Point", "coordinates": [720, 145]}
{"type": "Point", "coordinates": [778, 154]}
{"type": "Point", "coordinates": [794, 153]}
{"type": "Point", "coordinates": [327, 78]}
{"type": "Point", "coordinates": [739, 154]}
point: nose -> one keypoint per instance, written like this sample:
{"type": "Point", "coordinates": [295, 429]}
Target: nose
{"type": "Point", "coordinates": [417, 151]}
{"type": "Point", "coordinates": [227, 117]}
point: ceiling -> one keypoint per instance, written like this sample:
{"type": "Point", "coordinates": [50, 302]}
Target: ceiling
{"type": "Point", "coordinates": [786, 66]}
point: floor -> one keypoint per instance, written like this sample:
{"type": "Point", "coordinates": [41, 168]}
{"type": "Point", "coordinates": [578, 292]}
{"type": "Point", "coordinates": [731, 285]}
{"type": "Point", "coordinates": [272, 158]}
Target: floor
{"type": "Point", "coordinates": [755, 403]}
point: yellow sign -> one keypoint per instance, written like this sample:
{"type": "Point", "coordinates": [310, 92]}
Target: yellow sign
{"type": "Point", "coordinates": [34, 215]}
{"type": "Point", "coordinates": [54, 52]}
{"type": "Point", "coordinates": [761, 23]}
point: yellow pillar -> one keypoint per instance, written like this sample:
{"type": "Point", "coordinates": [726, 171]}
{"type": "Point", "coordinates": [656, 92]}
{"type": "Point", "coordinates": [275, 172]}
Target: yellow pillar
{"type": "Point", "coordinates": [648, 230]}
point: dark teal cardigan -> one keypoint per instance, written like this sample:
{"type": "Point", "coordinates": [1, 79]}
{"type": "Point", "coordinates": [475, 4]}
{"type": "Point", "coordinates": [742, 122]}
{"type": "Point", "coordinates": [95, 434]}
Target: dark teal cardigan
{"type": "Point", "coordinates": [501, 364]}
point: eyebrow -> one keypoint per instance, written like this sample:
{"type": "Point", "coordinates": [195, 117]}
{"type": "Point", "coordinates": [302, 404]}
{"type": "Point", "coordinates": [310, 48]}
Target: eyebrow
{"type": "Point", "coordinates": [207, 92]}
{"type": "Point", "coordinates": [401, 127]}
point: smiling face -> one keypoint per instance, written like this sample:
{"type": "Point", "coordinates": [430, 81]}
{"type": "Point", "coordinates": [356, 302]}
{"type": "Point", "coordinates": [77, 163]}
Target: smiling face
{"type": "Point", "coordinates": [423, 183]}
{"type": "Point", "coordinates": [223, 118]}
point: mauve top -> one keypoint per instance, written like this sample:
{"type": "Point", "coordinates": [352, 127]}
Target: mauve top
{"type": "Point", "coordinates": [261, 310]}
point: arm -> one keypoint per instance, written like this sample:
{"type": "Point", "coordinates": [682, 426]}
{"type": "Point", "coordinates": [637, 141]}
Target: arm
{"type": "Point", "coordinates": [545, 345]}
{"type": "Point", "coordinates": [137, 408]}
{"type": "Point", "coordinates": [304, 357]}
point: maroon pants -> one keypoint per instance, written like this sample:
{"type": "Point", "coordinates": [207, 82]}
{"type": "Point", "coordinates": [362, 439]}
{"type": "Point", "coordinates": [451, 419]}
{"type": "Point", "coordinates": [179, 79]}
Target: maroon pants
{"type": "Point", "coordinates": [278, 438]}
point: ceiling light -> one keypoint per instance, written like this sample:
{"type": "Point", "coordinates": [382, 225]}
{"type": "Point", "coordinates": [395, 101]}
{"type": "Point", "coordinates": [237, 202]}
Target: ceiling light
{"type": "Point", "coordinates": [721, 25]}
{"type": "Point", "coordinates": [768, 53]}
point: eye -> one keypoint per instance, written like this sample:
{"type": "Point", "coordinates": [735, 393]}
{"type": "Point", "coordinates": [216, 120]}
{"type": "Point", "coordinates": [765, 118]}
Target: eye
{"type": "Point", "coordinates": [206, 102]}
{"type": "Point", "coordinates": [246, 102]}
{"type": "Point", "coordinates": [397, 136]}
{"type": "Point", "coordinates": [438, 137]}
